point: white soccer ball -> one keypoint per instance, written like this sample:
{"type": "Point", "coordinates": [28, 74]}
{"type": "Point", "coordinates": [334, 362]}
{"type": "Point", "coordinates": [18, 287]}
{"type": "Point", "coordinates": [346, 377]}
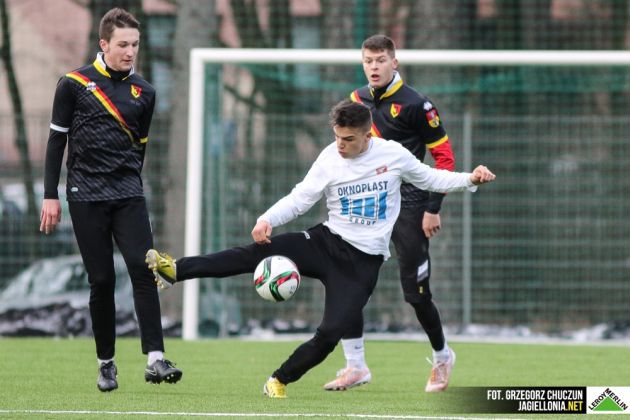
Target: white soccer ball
{"type": "Point", "coordinates": [276, 278]}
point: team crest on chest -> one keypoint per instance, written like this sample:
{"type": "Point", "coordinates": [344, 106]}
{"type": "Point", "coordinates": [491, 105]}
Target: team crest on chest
{"type": "Point", "coordinates": [90, 86]}
{"type": "Point", "coordinates": [136, 91]}
{"type": "Point", "coordinates": [395, 110]}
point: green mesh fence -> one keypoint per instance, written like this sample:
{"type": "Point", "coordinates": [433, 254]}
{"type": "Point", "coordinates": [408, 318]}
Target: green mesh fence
{"type": "Point", "coordinates": [548, 239]}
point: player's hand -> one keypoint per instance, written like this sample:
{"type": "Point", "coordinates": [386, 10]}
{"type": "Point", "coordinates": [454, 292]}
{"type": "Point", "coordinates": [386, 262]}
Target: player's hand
{"type": "Point", "coordinates": [431, 224]}
{"type": "Point", "coordinates": [481, 175]}
{"type": "Point", "coordinates": [262, 232]}
{"type": "Point", "coordinates": [50, 215]}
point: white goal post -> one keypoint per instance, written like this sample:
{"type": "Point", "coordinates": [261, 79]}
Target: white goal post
{"type": "Point", "coordinates": [200, 57]}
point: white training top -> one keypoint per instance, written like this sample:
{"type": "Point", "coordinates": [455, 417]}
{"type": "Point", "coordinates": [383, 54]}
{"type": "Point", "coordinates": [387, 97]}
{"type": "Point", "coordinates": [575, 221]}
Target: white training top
{"type": "Point", "coordinates": [363, 193]}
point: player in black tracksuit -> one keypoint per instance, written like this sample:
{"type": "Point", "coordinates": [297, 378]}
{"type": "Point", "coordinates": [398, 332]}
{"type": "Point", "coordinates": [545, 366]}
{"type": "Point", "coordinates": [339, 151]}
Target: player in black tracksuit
{"type": "Point", "coordinates": [402, 114]}
{"type": "Point", "coordinates": [103, 112]}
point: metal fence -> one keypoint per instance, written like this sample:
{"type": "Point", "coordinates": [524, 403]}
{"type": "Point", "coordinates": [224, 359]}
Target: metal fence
{"type": "Point", "coordinates": [545, 246]}
{"type": "Point", "coordinates": [546, 240]}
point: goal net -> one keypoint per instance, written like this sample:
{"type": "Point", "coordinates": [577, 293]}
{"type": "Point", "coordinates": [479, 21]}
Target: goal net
{"type": "Point", "coordinates": [543, 247]}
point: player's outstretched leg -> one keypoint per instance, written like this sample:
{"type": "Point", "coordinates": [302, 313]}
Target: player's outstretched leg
{"type": "Point", "coordinates": [440, 373]}
{"type": "Point", "coordinates": [163, 267]}
{"type": "Point", "coordinates": [273, 388]}
{"type": "Point", "coordinates": [162, 371]}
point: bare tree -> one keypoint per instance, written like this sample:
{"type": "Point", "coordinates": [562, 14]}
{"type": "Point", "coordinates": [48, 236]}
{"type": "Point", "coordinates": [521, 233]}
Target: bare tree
{"type": "Point", "coordinates": [620, 29]}
{"type": "Point", "coordinates": [196, 27]}
{"type": "Point", "coordinates": [21, 139]}
{"type": "Point", "coordinates": [341, 29]}
{"type": "Point", "coordinates": [274, 84]}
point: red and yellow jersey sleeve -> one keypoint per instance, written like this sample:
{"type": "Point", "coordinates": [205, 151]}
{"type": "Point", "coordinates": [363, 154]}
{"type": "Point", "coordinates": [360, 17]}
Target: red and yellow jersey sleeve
{"type": "Point", "coordinates": [442, 153]}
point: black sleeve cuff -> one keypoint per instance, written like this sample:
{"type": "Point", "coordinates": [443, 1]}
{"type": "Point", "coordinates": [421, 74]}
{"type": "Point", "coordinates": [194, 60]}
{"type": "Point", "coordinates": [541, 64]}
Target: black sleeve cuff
{"type": "Point", "coordinates": [435, 202]}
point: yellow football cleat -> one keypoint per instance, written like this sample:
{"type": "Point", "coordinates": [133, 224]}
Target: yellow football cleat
{"type": "Point", "coordinates": [274, 388]}
{"type": "Point", "coordinates": [163, 267]}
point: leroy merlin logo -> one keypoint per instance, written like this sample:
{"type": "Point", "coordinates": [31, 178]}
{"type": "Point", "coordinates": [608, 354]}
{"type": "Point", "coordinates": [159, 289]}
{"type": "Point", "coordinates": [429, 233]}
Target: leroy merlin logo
{"type": "Point", "coordinates": [608, 401]}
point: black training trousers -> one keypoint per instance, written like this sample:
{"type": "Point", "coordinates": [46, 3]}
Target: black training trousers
{"type": "Point", "coordinates": [348, 274]}
{"type": "Point", "coordinates": [95, 223]}
{"type": "Point", "coordinates": [414, 264]}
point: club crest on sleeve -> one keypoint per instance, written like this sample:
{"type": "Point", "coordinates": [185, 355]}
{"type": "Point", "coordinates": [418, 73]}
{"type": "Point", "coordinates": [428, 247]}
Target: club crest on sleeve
{"type": "Point", "coordinates": [395, 110]}
{"type": "Point", "coordinates": [136, 91]}
{"type": "Point", "coordinates": [433, 118]}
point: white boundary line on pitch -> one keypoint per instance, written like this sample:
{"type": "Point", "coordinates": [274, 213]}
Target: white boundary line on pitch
{"type": "Point", "coordinates": [184, 414]}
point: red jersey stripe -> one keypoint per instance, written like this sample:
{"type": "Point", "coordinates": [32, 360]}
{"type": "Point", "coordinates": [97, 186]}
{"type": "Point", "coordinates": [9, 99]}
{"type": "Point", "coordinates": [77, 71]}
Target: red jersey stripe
{"type": "Point", "coordinates": [103, 99]}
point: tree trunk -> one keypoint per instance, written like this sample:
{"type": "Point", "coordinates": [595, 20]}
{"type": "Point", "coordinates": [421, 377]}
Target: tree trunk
{"type": "Point", "coordinates": [196, 27]}
{"type": "Point", "coordinates": [427, 27]}
{"type": "Point", "coordinates": [273, 82]}
{"type": "Point", "coordinates": [21, 139]}
{"type": "Point", "coordinates": [337, 32]}
{"type": "Point", "coordinates": [620, 30]}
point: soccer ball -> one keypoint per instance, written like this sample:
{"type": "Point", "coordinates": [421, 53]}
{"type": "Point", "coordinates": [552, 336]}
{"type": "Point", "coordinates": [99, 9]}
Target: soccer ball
{"type": "Point", "coordinates": [276, 278]}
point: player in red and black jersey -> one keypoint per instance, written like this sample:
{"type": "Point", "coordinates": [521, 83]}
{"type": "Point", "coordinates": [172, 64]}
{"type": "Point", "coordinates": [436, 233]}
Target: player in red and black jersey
{"type": "Point", "coordinates": [103, 112]}
{"type": "Point", "coordinates": [402, 114]}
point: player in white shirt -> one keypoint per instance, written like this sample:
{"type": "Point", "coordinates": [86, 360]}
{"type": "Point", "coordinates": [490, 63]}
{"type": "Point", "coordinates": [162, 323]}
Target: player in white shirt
{"type": "Point", "coordinates": [360, 177]}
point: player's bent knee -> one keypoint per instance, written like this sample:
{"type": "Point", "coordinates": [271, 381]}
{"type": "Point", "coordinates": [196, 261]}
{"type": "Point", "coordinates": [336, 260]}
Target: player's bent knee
{"type": "Point", "coordinates": [417, 299]}
{"type": "Point", "coordinates": [327, 339]}
{"type": "Point", "coordinates": [103, 279]}
{"type": "Point", "coordinates": [102, 290]}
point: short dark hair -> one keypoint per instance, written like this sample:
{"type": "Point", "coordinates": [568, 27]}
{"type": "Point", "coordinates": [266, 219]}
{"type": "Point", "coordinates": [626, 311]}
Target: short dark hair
{"type": "Point", "coordinates": [380, 43]}
{"type": "Point", "coordinates": [116, 18]}
{"type": "Point", "coordinates": [351, 114]}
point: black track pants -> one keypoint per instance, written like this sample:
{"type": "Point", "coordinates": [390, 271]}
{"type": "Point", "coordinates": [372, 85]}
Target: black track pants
{"type": "Point", "coordinates": [348, 274]}
{"type": "Point", "coordinates": [127, 222]}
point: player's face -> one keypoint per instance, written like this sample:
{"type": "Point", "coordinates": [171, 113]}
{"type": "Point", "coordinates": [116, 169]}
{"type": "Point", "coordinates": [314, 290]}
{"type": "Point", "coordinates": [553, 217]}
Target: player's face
{"type": "Point", "coordinates": [122, 48]}
{"type": "Point", "coordinates": [351, 141]}
{"type": "Point", "coordinates": [378, 67]}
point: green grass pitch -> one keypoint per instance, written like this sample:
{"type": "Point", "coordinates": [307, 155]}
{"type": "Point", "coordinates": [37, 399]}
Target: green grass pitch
{"type": "Point", "coordinates": [48, 378]}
